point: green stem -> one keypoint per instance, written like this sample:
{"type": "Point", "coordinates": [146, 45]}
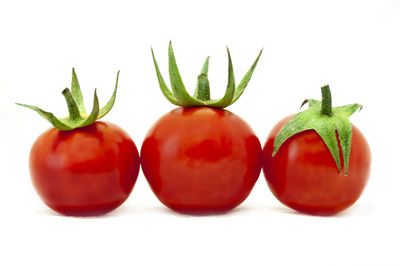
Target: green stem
{"type": "Point", "coordinates": [326, 104]}
{"type": "Point", "coordinates": [204, 70]}
{"type": "Point", "coordinates": [72, 106]}
{"type": "Point", "coordinates": [203, 88]}
{"type": "Point", "coordinates": [202, 91]}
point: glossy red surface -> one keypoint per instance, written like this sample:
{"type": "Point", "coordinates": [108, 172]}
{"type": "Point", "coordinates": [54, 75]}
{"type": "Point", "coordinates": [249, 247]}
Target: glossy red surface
{"type": "Point", "coordinates": [303, 175]}
{"type": "Point", "coordinates": [86, 171]}
{"type": "Point", "coordinates": [201, 159]}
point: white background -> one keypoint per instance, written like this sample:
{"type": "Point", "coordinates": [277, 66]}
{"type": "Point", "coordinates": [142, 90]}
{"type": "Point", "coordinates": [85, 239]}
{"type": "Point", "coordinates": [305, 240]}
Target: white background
{"type": "Point", "coordinates": [352, 45]}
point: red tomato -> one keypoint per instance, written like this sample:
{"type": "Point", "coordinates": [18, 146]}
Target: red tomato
{"type": "Point", "coordinates": [86, 171]}
{"type": "Point", "coordinates": [303, 175]}
{"type": "Point", "coordinates": [201, 159]}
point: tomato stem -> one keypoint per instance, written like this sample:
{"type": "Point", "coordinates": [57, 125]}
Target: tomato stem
{"type": "Point", "coordinates": [72, 106]}
{"type": "Point", "coordinates": [326, 104]}
{"type": "Point", "coordinates": [203, 88]}
{"type": "Point", "coordinates": [202, 91]}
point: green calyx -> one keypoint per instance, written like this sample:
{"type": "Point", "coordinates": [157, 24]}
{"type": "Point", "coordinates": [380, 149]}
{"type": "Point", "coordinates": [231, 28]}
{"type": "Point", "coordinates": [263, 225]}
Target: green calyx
{"type": "Point", "coordinates": [180, 96]}
{"type": "Point", "coordinates": [77, 114]}
{"type": "Point", "coordinates": [330, 124]}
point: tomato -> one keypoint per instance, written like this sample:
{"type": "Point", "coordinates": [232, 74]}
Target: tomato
{"type": "Point", "coordinates": [85, 171]}
{"type": "Point", "coordinates": [201, 159]}
{"type": "Point", "coordinates": [303, 174]}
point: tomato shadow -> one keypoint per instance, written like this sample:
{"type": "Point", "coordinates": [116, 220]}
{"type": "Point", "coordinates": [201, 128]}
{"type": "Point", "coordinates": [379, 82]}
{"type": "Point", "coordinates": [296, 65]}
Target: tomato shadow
{"type": "Point", "coordinates": [357, 210]}
{"type": "Point", "coordinates": [129, 210]}
{"type": "Point", "coordinates": [163, 210]}
{"type": "Point", "coordinates": [119, 212]}
{"type": "Point", "coordinates": [212, 213]}
{"type": "Point", "coordinates": [140, 210]}
{"type": "Point", "coordinates": [48, 212]}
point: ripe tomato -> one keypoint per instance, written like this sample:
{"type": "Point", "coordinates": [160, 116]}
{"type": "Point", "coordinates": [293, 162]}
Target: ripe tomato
{"type": "Point", "coordinates": [303, 174]}
{"type": "Point", "coordinates": [85, 171]}
{"type": "Point", "coordinates": [201, 159]}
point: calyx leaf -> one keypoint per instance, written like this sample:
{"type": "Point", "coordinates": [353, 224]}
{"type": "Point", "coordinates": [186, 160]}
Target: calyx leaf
{"type": "Point", "coordinates": [77, 115]}
{"type": "Point", "coordinates": [327, 122]}
{"type": "Point", "coordinates": [180, 96]}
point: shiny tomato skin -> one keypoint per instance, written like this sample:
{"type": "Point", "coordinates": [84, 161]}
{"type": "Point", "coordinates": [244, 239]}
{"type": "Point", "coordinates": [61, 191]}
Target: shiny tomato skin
{"type": "Point", "coordinates": [303, 175]}
{"type": "Point", "coordinates": [201, 160]}
{"type": "Point", "coordinates": [87, 171]}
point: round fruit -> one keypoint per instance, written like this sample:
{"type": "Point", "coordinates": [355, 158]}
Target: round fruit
{"type": "Point", "coordinates": [309, 175]}
{"type": "Point", "coordinates": [201, 159]}
{"type": "Point", "coordinates": [82, 167]}
{"type": "Point", "coordinates": [86, 171]}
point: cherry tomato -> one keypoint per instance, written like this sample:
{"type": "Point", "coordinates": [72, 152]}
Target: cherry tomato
{"type": "Point", "coordinates": [201, 159]}
{"type": "Point", "coordinates": [86, 171]}
{"type": "Point", "coordinates": [303, 175]}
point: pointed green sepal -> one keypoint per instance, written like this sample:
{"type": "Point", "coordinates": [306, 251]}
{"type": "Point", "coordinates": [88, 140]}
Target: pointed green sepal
{"type": "Point", "coordinates": [180, 96]}
{"type": "Point", "coordinates": [94, 114]}
{"type": "Point", "coordinates": [243, 84]}
{"type": "Point", "coordinates": [77, 116]}
{"type": "Point", "coordinates": [164, 88]}
{"type": "Point", "coordinates": [106, 108]}
{"type": "Point", "coordinates": [330, 128]}
{"type": "Point", "coordinates": [77, 93]}
{"type": "Point", "coordinates": [48, 116]}
{"type": "Point", "coordinates": [179, 90]}
{"type": "Point", "coordinates": [230, 89]}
